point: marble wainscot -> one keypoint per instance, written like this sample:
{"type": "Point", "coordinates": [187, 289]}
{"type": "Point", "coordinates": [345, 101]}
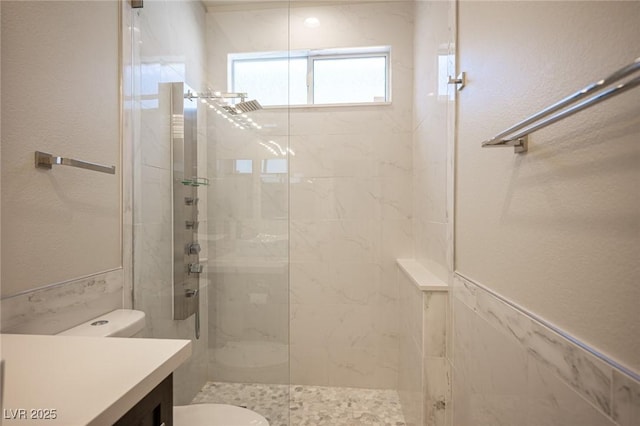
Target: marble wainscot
{"type": "Point", "coordinates": [57, 307]}
{"type": "Point", "coordinates": [424, 374]}
{"type": "Point", "coordinates": [510, 367]}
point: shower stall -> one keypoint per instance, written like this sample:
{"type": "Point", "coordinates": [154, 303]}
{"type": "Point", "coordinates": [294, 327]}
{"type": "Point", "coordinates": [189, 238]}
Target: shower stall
{"type": "Point", "coordinates": [273, 245]}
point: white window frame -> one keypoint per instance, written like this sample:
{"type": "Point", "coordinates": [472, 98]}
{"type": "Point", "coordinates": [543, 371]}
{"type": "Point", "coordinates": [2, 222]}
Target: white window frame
{"type": "Point", "coordinates": [312, 56]}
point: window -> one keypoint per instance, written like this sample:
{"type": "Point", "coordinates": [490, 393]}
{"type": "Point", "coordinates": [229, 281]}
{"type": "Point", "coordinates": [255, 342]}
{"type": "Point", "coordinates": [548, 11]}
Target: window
{"type": "Point", "coordinates": [336, 76]}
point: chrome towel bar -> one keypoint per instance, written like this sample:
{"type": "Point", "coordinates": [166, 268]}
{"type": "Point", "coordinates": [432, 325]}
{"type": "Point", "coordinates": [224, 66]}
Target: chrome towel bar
{"type": "Point", "coordinates": [519, 140]}
{"type": "Point", "coordinates": [47, 161]}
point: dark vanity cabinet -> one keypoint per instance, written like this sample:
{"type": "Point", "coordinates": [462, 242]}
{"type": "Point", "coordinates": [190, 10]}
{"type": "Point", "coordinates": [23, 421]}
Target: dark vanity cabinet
{"type": "Point", "coordinates": [155, 409]}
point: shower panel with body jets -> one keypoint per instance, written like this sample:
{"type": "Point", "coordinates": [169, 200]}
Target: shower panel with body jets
{"type": "Point", "coordinates": [184, 152]}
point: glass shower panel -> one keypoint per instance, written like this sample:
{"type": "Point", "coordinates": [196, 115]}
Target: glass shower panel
{"type": "Point", "coordinates": [248, 255]}
{"type": "Point", "coordinates": [248, 220]}
{"type": "Point", "coordinates": [163, 52]}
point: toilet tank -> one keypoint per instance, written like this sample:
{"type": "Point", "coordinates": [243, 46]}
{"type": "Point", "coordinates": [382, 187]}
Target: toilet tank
{"type": "Point", "coordinates": [118, 323]}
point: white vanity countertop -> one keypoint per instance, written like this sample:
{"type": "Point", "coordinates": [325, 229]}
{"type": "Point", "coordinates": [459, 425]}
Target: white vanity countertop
{"type": "Point", "coordinates": [86, 380]}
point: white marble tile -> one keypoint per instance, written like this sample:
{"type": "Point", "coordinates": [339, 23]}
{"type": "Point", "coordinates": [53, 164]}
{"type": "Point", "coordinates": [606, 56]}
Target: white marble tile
{"type": "Point", "coordinates": [395, 197]}
{"type": "Point", "coordinates": [309, 241]}
{"type": "Point", "coordinates": [437, 390]}
{"type": "Point", "coordinates": [350, 120]}
{"type": "Point", "coordinates": [234, 197]}
{"type": "Point", "coordinates": [352, 240]}
{"type": "Point", "coordinates": [503, 317]}
{"type": "Point", "coordinates": [420, 236]}
{"type": "Point", "coordinates": [308, 282]}
{"type": "Point", "coordinates": [492, 371]}
{"type": "Point", "coordinates": [586, 374]}
{"type": "Point", "coordinates": [396, 241]}
{"type": "Point", "coordinates": [238, 373]}
{"type": "Point", "coordinates": [554, 403]}
{"type": "Point", "coordinates": [434, 324]}
{"type": "Point", "coordinates": [334, 198]}
{"type": "Point", "coordinates": [391, 155]}
{"type": "Point", "coordinates": [411, 311]}
{"type": "Point", "coordinates": [153, 256]}
{"type": "Point", "coordinates": [437, 249]}
{"type": "Point", "coordinates": [465, 292]}
{"type": "Point", "coordinates": [495, 410]}
{"type": "Point", "coordinates": [352, 366]}
{"type": "Point", "coordinates": [331, 156]}
{"type": "Point", "coordinates": [352, 325]}
{"type": "Point", "coordinates": [461, 399]}
{"type": "Point", "coordinates": [252, 321]}
{"type": "Point", "coordinates": [57, 308]}
{"type": "Point", "coordinates": [274, 198]}
{"type": "Point", "coordinates": [387, 360]}
{"type": "Point", "coordinates": [449, 408]}
{"type": "Point", "coordinates": [358, 199]}
{"type": "Point", "coordinates": [312, 199]}
{"type": "Point", "coordinates": [309, 365]}
{"type": "Point", "coordinates": [156, 208]}
{"type": "Point", "coordinates": [155, 128]}
{"type": "Point", "coordinates": [270, 32]}
{"type": "Point", "coordinates": [354, 282]}
{"type": "Point", "coordinates": [626, 400]}
{"type": "Point", "coordinates": [410, 381]}
{"type": "Point", "coordinates": [307, 325]}
{"type": "Point", "coordinates": [328, 283]}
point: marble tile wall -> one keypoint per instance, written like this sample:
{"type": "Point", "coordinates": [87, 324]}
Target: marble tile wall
{"type": "Point", "coordinates": [348, 197]}
{"type": "Point", "coordinates": [56, 308]}
{"type": "Point", "coordinates": [168, 46]}
{"type": "Point", "coordinates": [424, 379]}
{"type": "Point", "coordinates": [351, 208]}
{"type": "Point", "coordinates": [510, 369]}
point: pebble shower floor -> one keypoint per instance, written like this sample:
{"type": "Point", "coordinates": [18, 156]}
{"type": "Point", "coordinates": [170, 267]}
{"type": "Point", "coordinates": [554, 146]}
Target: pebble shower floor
{"type": "Point", "coordinates": [308, 405]}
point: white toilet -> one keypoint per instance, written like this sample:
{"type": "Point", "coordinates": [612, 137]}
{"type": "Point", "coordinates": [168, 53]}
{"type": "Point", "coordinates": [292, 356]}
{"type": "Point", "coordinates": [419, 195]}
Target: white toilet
{"type": "Point", "coordinates": [130, 323]}
{"type": "Point", "coordinates": [216, 415]}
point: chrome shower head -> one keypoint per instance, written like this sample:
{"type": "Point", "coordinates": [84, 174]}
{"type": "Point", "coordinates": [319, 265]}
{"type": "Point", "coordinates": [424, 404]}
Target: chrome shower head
{"type": "Point", "coordinates": [243, 107]}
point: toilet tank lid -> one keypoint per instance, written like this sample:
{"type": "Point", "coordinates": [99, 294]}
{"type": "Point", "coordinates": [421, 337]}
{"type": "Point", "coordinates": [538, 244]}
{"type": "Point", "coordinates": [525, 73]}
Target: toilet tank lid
{"type": "Point", "coordinates": [118, 323]}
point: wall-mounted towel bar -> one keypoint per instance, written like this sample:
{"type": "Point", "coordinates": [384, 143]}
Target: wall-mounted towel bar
{"type": "Point", "coordinates": [517, 135]}
{"type": "Point", "coordinates": [47, 161]}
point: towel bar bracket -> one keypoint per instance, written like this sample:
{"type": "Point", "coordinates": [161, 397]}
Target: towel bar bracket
{"type": "Point", "coordinates": [520, 145]}
{"type": "Point", "coordinates": [461, 79]}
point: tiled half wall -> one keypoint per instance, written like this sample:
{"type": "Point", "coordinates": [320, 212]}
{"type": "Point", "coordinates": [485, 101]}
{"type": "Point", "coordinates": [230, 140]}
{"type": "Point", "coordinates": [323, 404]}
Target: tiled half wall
{"type": "Point", "coordinates": [424, 374]}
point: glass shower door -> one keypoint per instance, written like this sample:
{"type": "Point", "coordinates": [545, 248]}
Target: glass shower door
{"type": "Point", "coordinates": [248, 216]}
{"type": "Point", "coordinates": [248, 260]}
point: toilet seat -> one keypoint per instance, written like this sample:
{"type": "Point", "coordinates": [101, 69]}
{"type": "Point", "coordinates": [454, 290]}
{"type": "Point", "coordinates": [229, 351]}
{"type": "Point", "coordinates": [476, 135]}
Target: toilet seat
{"type": "Point", "coordinates": [216, 415]}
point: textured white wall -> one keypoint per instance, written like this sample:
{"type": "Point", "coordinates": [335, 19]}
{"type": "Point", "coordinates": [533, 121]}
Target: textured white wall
{"type": "Point", "coordinates": [60, 95]}
{"type": "Point", "coordinates": [555, 230]}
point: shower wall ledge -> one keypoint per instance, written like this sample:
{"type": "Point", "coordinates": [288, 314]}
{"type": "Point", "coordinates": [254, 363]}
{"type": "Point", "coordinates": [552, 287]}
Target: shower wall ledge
{"type": "Point", "coordinates": [424, 279]}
